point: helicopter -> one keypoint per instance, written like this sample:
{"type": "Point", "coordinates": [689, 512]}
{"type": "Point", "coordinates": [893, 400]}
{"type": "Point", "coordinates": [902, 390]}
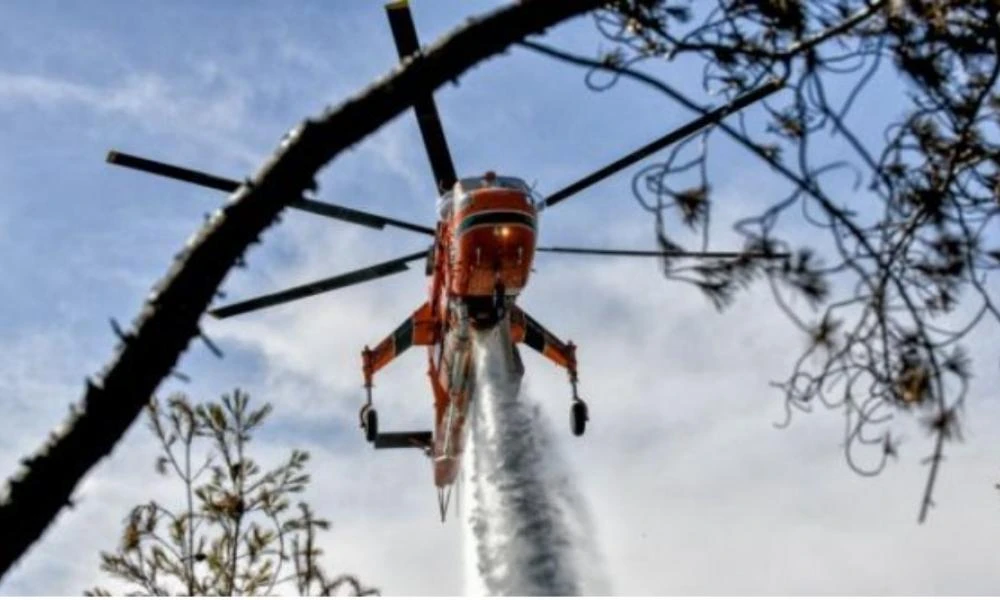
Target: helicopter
{"type": "Point", "coordinates": [480, 260]}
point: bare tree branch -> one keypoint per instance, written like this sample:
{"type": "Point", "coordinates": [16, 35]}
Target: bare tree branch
{"type": "Point", "coordinates": [905, 280]}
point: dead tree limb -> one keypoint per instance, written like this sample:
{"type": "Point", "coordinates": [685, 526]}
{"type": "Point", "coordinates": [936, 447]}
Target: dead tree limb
{"type": "Point", "coordinates": [168, 321]}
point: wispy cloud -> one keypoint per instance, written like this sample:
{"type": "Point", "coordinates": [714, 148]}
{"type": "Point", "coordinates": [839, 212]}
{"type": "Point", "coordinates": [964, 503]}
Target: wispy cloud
{"type": "Point", "coordinates": [148, 100]}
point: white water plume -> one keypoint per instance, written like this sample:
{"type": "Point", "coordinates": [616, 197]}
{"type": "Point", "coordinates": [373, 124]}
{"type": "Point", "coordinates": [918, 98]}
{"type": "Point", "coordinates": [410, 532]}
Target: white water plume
{"type": "Point", "coordinates": [527, 529]}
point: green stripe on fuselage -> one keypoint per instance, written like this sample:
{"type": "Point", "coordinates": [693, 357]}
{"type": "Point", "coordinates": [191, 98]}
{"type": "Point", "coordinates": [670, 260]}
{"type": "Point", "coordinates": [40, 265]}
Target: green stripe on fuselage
{"type": "Point", "coordinates": [496, 218]}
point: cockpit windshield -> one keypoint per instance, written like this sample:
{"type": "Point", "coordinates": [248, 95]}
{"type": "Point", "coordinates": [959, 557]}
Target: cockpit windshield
{"type": "Point", "coordinates": [468, 184]}
{"type": "Point", "coordinates": [490, 180]}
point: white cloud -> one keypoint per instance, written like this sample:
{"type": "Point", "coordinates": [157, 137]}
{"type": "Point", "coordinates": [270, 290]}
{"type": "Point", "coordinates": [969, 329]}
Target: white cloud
{"type": "Point", "coordinates": [149, 101]}
{"type": "Point", "coordinates": [29, 385]}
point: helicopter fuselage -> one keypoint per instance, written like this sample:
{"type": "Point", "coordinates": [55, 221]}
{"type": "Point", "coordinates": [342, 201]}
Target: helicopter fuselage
{"type": "Point", "coordinates": [482, 258]}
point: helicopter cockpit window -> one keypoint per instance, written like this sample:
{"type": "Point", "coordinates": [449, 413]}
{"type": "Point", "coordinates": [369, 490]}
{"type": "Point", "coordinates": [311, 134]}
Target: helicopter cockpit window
{"type": "Point", "coordinates": [469, 184]}
{"type": "Point", "coordinates": [512, 183]}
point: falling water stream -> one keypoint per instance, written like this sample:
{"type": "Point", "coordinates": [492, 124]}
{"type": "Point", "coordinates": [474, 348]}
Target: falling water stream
{"type": "Point", "coordinates": [527, 530]}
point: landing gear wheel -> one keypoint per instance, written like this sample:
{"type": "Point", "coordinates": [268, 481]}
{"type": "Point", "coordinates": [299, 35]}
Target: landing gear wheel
{"type": "Point", "coordinates": [369, 420]}
{"type": "Point", "coordinates": [578, 417]}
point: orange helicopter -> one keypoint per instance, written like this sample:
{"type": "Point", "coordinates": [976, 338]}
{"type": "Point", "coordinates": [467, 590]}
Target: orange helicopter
{"type": "Point", "coordinates": [480, 260]}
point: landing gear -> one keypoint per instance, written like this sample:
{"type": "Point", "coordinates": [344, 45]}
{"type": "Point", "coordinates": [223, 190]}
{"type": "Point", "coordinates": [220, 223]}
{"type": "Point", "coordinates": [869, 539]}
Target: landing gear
{"type": "Point", "coordinates": [578, 417]}
{"type": "Point", "coordinates": [369, 418]}
{"type": "Point", "coordinates": [578, 412]}
{"type": "Point", "coordinates": [370, 424]}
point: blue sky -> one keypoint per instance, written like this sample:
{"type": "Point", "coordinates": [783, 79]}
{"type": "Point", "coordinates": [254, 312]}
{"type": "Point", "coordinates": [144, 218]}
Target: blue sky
{"type": "Point", "coordinates": [692, 488]}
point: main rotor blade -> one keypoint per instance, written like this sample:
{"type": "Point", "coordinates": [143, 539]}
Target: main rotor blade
{"type": "Point", "coordinates": [222, 184]}
{"type": "Point", "coordinates": [404, 34]}
{"type": "Point", "coordinates": [676, 135]}
{"type": "Point", "coordinates": [318, 287]}
{"type": "Point", "coordinates": [661, 253]}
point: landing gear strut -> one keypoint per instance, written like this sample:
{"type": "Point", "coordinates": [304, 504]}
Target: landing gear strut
{"type": "Point", "coordinates": [578, 412]}
{"type": "Point", "coordinates": [369, 418]}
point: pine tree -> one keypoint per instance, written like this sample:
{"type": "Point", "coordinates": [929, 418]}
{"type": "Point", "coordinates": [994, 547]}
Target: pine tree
{"type": "Point", "coordinates": [237, 533]}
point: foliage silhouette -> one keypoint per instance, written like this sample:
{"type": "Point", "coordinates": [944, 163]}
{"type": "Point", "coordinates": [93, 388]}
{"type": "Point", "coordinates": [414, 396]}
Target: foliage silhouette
{"type": "Point", "coordinates": [236, 533]}
{"type": "Point", "coordinates": [893, 274]}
